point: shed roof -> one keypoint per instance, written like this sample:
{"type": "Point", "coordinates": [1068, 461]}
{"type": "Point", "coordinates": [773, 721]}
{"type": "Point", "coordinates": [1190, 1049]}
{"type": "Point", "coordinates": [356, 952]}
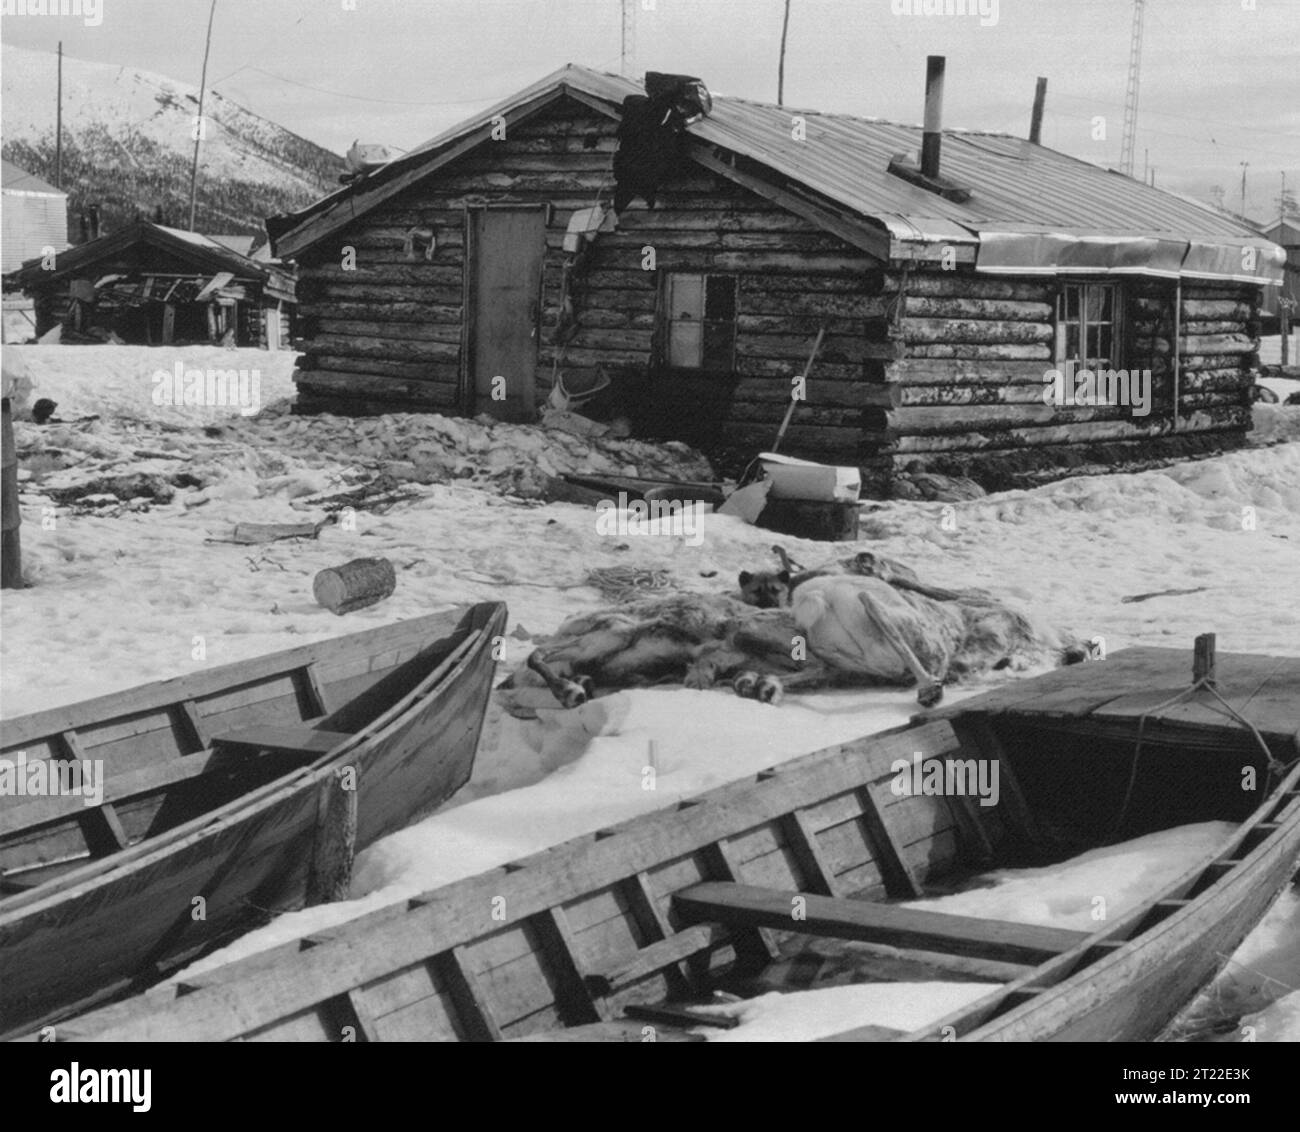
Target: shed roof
{"type": "Point", "coordinates": [20, 181]}
{"type": "Point", "coordinates": [1030, 209]}
{"type": "Point", "coordinates": [207, 256]}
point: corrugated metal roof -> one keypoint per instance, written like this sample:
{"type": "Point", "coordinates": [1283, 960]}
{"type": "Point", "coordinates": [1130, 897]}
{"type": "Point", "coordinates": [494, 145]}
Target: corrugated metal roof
{"type": "Point", "coordinates": [1018, 190]}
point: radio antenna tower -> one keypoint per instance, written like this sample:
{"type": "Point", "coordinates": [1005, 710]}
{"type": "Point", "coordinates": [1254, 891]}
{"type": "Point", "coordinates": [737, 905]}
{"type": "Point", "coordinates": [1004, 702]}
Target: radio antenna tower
{"type": "Point", "coordinates": [1131, 94]}
{"type": "Point", "coordinates": [627, 55]}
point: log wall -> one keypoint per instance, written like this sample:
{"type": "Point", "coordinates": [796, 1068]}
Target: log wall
{"type": "Point", "coordinates": [940, 369]}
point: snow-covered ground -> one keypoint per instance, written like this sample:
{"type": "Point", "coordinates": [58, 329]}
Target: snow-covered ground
{"type": "Point", "coordinates": [119, 597]}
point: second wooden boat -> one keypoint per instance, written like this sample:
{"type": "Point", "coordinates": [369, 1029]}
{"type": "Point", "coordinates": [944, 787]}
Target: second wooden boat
{"type": "Point", "coordinates": [633, 926]}
{"type": "Point", "coordinates": [222, 797]}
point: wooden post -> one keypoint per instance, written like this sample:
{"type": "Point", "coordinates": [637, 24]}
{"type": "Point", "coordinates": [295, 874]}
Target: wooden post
{"type": "Point", "coordinates": [1284, 317]}
{"type": "Point", "coordinates": [1203, 660]}
{"type": "Point", "coordinates": [11, 555]}
{"type": "Point", "coordinates": [1036, 118]}
{"type": "Point", "coordinates": [168, 323]}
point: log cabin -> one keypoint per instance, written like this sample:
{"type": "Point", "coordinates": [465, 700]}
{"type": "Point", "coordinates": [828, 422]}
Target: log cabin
{"type": "Point", "coordinates": [951, 271]}
{"type": "Point", "coordinates": [153, 285]}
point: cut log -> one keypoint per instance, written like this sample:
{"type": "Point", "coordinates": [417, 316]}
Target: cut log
{"type": "Point", "coordinates": [354, 585]}
{"type": "Point", "coordinates": [967, 286]}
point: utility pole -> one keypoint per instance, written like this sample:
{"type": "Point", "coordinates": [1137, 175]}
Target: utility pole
{"type": "Point", "coordinates": [1131, 93]}
{"type": "Point", "coordinates": [627, 52]}
{"type": "Point", "coordinates": [780, 70]}
{"type": "Point", "coordinates": [200, 125]}
{"type": "Point", "coordinates": [58, 127]}
{"type": "Point", "coordinates": [1244, 166]}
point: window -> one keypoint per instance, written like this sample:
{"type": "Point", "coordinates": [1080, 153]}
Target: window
{"type": "Point", "coordinates": [1087, 325]}
{"type": "Point", "coordinates": [701, 321]}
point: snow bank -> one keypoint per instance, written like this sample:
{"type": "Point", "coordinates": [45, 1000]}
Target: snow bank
{"type": "Point", "coordinates": [1096, 886]}
{"type": "Point", "coordinates": [805, 1016]}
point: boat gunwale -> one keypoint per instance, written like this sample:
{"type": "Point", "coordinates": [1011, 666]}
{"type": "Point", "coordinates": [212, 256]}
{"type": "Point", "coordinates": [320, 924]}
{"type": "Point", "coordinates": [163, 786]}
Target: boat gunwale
{"type": "Point", "coordinates": [173, 690]}
{"type": "Point", "coordinates": [209, 823]}
{"type": "Point", "coordinates": [1289, 827]}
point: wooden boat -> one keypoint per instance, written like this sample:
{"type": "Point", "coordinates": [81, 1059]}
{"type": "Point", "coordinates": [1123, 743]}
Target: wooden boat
{"type": "Point", "coordinates": [225, 795]}
{"type": "Point", "coordinates": [631, 926]}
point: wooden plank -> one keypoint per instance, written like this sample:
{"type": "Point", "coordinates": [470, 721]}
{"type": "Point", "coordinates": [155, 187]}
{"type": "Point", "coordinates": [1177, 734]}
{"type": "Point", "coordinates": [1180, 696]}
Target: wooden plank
{"type": "Point", "coordinates": [472, 1004]}
{"type": "Point", "coordinates": [975, 731]}
{"type": "Point", "coordinates": [366, 1022]}
{"type": "Point", "coordinates": [802, 839]}
{"type": "Point", "coordinates": [678, 1016]}
{"type": "Point", "coordinates": [619, 1030]}
{"type": "Point", "coordinates": [650, 917]}
{"type": "Point", "coordinates": [874, 923]}
{"type": "Point", "coordinates": [576, 1001]}
{"type": "Point", "coordinates": [271, 737]}
{"type": "Point", "coordinates": [103, 830]}
{"type": "Point", "coordinates": [192, 723]}
{"type": "Point", "coordinates": [662, 955]}
{"type": "Point", "coordinates": [755, 948]}
{"type": "Point", "coordinates": [319, 697]}
{"type": "Point", "coordinates": [899, 878]}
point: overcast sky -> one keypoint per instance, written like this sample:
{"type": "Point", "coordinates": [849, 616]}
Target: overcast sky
{"type": "Point", "coordinates": [1220, 78]}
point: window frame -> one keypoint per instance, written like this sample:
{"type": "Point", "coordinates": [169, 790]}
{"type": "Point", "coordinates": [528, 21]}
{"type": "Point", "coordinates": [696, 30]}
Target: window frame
{"type": "Point", "coordinates": [1064, 322]}
{"type": "Point", "coordinates": [703, 324]}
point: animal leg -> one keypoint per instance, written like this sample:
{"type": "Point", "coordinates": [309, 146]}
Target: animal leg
{"type": "Point", "coordinates": [570, 693]}
{"type": "Point", "coordinates": [929, 688]}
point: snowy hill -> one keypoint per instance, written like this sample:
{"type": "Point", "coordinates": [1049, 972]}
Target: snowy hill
{"type": "Point", "coordinates": [128, 144]}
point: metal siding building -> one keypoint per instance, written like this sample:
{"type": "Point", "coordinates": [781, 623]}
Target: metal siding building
{"type": "Point", "coordinates": [35, 216]}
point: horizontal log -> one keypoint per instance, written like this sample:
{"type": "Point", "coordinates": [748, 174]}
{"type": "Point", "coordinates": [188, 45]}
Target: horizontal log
{"type": "Point", "coordinates": [932, 371]}
{"type": "Point", "coordinates": [350, 346]}
{"type": "Point", "coordinates": [785, 368]}
{"type": "Point", "coordinates": [319, 291]}
{"type": "Point", "coordinates": [386, 331]}
{"type": "Point", "coordinates": [817, 305]}
{"type": "Point", "coordinates": [1221, 379]}
{"type": "Point", "coordinates": [835, 348]}
{"type": "Point", "coordinates": [399, 215]}
{"type": "Point", "coordinates": [988, 353]}
{"type": "Point", "coordinates": [607, 298]}
{"type": "Point", "coordinates": [722, 219]}
{"type": "Point", "coordinates": [975, 331]}
{"type": "Point", "coordinates": [797, 324]}
{"type": "Point", "coordinates": [378, 367]}
{"type": "Point", "coordinates": [590, 316]}
{"type": "Point", "coordinates": [439, 313]}
{"type": "Point", "coordinates": [383, 233]}
{"type": "Point", "coordinates": [388, 274]}
{"type": "Point", "coordinates": [1200, 399]}
{"type": "Point", "coordinates": [803, 281]}
{"type": "Point", "coordinates": [1004, 310]}
{"type": "Point", "coordinates": [967, 419]}
{"type": "Point", "coordinates": [1224, 326]}
{"type": "Point", "coordinates": [584, 356]}
{"type": "Point", "coordinates": [1029, 393]}
{"type": "Point", "coordinates": [1215, 309]}
{"type": "Point", "coordinates": [821, 393]}
{"type": "Point", "coordinates": [425, 394]}
{"type": "Point", "coordinates": [488, 160]}
{"type": "Point", "coordinates": [1220, 418]}
{"type": "Point", "coordinates": [963, 284]}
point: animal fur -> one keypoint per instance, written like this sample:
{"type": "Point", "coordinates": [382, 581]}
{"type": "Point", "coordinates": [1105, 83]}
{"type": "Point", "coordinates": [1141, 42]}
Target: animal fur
{"type": "Point", "coordinates": [841, 629]}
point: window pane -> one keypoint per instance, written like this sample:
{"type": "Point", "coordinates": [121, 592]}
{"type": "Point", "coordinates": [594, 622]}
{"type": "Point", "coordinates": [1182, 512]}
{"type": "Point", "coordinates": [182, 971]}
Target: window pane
{"type": "Point", "coordinates": [1098, 303]}
{"type": "Point", "coordinates": [684, 344]}
{"type": "Point", "coordinates": [686, 296]}
{"type": "Point", "coordinates": [718, 345]}
{"type": "Point", "coordinates": [720, 298]}
{"type": "Point", "coordinates": [1072, 302]}
{"type": "Point", "coordinates": [1072, 340]}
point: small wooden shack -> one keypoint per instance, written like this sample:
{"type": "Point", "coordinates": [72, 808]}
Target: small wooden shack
{"type": "Point", "coordinates": [152, 285]}
{"type": "Point", "coordinates": [951, 271]}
